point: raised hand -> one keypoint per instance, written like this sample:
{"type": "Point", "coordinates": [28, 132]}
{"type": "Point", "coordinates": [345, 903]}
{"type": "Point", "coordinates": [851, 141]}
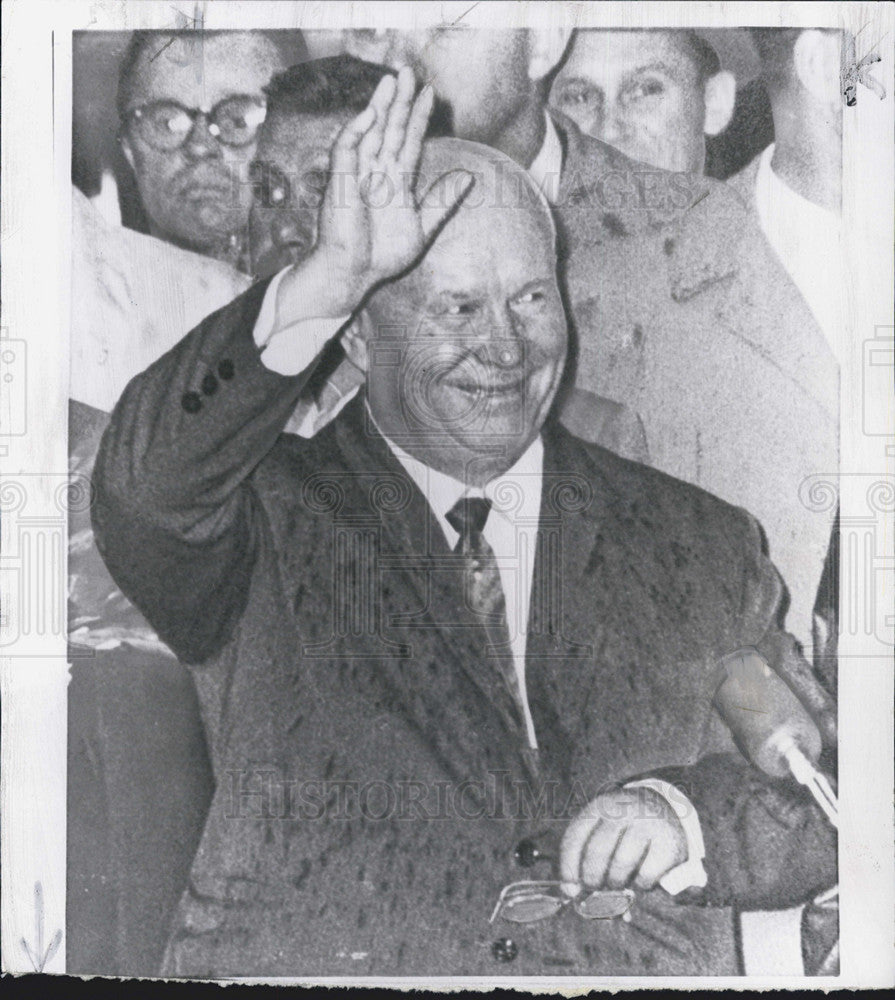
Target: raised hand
{"type": "Point", "coordinates": [370, 226]}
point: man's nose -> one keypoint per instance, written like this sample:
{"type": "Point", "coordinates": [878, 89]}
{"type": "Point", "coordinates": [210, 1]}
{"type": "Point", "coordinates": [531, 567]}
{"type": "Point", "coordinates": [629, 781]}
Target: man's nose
{"type": "Point", "coordinates": [614, 128]}
{"type": "Point", "coordinates": [505, 337]}
{"type": "Point", "coordinates": [289, 232]}
{"type": "Point", "coordinates": [200, 143]}
{"type": "Point", "coordinates": [501, 324]}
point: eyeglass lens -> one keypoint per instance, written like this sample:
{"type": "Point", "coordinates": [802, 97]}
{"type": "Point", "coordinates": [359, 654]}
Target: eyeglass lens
{"type": "Point", "coordinates": [166, 124]}
{"type": "Point", "coordinates": [524, 903]}
{"type": "Point", "coordinates": [527, 909]}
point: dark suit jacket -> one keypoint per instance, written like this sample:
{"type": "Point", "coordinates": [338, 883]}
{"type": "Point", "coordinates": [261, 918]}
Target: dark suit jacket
{"type": "Point", "coordinates": [370, 789]}
{"type": "Point", "coordinates": [683, 313]}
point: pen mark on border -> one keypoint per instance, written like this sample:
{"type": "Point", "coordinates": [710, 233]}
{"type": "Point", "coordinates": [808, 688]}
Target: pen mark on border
{"type": "Point", "coordinates": [38, 957]}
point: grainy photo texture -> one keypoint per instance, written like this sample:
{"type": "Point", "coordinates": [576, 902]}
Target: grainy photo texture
{"type": "Point", "coordinates": [456, 413]}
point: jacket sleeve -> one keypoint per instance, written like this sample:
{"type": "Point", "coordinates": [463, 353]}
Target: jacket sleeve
{"type": "Point", "coordinates": [768, 845]}
{"type": "Point", "coordinates": [175, 517]}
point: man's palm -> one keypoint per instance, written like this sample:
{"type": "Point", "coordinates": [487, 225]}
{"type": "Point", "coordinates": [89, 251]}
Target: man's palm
{"type": "Point", "coordinates": [370, 225]}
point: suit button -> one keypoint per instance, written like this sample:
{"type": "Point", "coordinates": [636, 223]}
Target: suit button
{"type": "Point", "coordinates": [504, 949]}
{"type": "Point", "coordinates": [226, 369]}
{"type": "Point", "coordinates": [526, 853]}
{"type": "Point", "coordinates": [209, 384]}
{"type": "Point", "coordinates": [191, 402]}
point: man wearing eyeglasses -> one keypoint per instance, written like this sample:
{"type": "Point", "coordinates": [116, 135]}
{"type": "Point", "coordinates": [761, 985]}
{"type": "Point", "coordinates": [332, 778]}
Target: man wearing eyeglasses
{"type": "Point", "coordinates": [190, 105]}
{"type": "Point", "coordinates": [442, 624]}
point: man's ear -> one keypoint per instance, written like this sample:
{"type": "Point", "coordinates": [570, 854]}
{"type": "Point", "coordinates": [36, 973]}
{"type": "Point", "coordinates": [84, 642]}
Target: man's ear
{"type": "Point", "coordinates": [720, 97]}
{"type": "Point", "coordinates": [816, 56]}
{"type": "Point", "coordinates": [354, 340]}
{"type": "Point", "coordinates": [128, 152]}
{"type": "Point", "coordinates": [545, 49]}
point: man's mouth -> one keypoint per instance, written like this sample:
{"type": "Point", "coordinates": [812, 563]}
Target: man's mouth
{"type": "Point", "coordinates": [205, 184]}
{"type": "Point", "coordinates": [492, 387]}
{"type": "Point", "coordinates": [202, 190]}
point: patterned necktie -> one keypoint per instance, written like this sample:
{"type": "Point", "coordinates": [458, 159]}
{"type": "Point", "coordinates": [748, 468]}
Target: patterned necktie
{"type": "Point", "coordinates": [483, 593]}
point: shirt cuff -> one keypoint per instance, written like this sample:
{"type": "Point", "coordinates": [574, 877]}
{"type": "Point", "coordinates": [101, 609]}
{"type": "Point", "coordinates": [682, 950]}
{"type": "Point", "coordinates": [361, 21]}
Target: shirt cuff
{"type": "Point", "coordinates": [292, 349]}
{"type": "Point", "coordinates": [691, 874]}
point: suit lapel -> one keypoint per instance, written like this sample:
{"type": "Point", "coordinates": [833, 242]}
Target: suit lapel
{"type": "Point", "coordinates": [563, 643]}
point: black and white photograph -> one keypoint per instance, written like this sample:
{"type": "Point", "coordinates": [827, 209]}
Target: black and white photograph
{"type": "Point", "coordinates": [448, 540]}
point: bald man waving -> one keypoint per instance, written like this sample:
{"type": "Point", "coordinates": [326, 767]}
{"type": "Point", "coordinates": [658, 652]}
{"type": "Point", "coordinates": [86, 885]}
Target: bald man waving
{"type": "Point", "coordinates": [431, 636]}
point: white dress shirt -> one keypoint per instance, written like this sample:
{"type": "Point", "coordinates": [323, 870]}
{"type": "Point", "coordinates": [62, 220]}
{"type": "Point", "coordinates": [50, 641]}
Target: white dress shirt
{"type": "Point", "coordinates": [511, 530]}
{"type": "Point", "coordinates": [807, 240]}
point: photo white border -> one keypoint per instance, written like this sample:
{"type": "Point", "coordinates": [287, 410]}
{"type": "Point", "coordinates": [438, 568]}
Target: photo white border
{"type": "Point", "coordinates": [35, 247]}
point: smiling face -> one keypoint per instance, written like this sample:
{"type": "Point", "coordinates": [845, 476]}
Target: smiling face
{"type": "Point", "coordinates": [197, 195]}
{"type": "Point", "coordinates": [465, 354]}
{"type": "Point", "coordinates": [289, 177]}
{"type": "Point", "coordinates": [640, 91]}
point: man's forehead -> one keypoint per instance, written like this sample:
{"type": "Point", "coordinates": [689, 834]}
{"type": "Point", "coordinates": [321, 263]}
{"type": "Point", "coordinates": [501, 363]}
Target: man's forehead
{"type": "Point", "coordinates": [481, 249]}
{"type": "Point", "coordinates": [240, 61]}
{"type": "Point", "coordinates": [601, 50]}
{"type": "Point", "coordinates": [292, 137]}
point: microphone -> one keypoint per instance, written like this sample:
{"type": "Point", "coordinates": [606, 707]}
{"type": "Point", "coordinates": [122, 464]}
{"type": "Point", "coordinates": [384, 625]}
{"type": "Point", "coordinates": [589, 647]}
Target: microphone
{"type": "Point", "coordinates": [770, 726]}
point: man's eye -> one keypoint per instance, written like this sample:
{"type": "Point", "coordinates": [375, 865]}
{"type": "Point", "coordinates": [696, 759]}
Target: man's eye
{"type": "Point", "coordinates": [177, 122]}
{"type": "Point", "coordinates": [644, 88]}
{"type": "Point", "coordinates": [576, 95]}
{"type": "Point", "coordinates": [531, 298]}
{"type": "Point", "coordinates": [460, 309]}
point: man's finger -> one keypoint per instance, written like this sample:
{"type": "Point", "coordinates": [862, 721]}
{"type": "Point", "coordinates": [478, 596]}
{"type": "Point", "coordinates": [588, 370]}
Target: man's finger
{"type": "Point", "coordinates": [343, 158]}
{"type": "Point", "coordinates": [629, 854]}
{"type": "Point", "coordinates": [409, 155]}
{"type": "Point", "coordinates": [658, 862]}
{"type": "Point", "coordinates": [371, 143]}
{"type": "Point", "coordinates": [398, 116]}
{"type": "Point", "coordinates": [598, 853]}
{"type": "Point", "coordinates": [572, 848]}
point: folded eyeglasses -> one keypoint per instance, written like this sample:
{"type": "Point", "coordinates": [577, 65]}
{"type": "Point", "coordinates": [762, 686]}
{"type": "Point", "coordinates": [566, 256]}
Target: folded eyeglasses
{"type": "Point", "coordinates": [527, 902]}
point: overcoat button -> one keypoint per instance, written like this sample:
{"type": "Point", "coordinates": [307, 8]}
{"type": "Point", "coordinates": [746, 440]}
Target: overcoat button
{"type": "Point", "coordinates": [504, 949]}
{"type": "Point", "coordinates": [226, 369]}
{"type": "Point", "coordinates": [209, 384]}
{"type": "Point", "coordinates": [526, 853]}
{"type": "Point", "coordinates": [191, 402]}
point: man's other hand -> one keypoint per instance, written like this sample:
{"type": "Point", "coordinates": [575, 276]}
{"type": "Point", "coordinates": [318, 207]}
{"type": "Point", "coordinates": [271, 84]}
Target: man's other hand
{"type": "Point", "coordinates": [628, 836]}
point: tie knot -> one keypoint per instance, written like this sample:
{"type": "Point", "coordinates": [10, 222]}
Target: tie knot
{"type": "Point", "coordinates": [468, 516]}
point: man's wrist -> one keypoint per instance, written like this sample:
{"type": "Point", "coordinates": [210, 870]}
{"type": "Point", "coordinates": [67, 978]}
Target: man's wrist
{"type": "Point", "coordinates": [318, 288]}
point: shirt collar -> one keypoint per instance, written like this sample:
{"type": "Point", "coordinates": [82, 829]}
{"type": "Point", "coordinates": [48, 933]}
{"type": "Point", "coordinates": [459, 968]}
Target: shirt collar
{"type": "Point", "coordinates": [546, 168]}
{"type": "Point", "coordinates": [774, 196]}
{"type": "Point", "coordinates": [515, 494]}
